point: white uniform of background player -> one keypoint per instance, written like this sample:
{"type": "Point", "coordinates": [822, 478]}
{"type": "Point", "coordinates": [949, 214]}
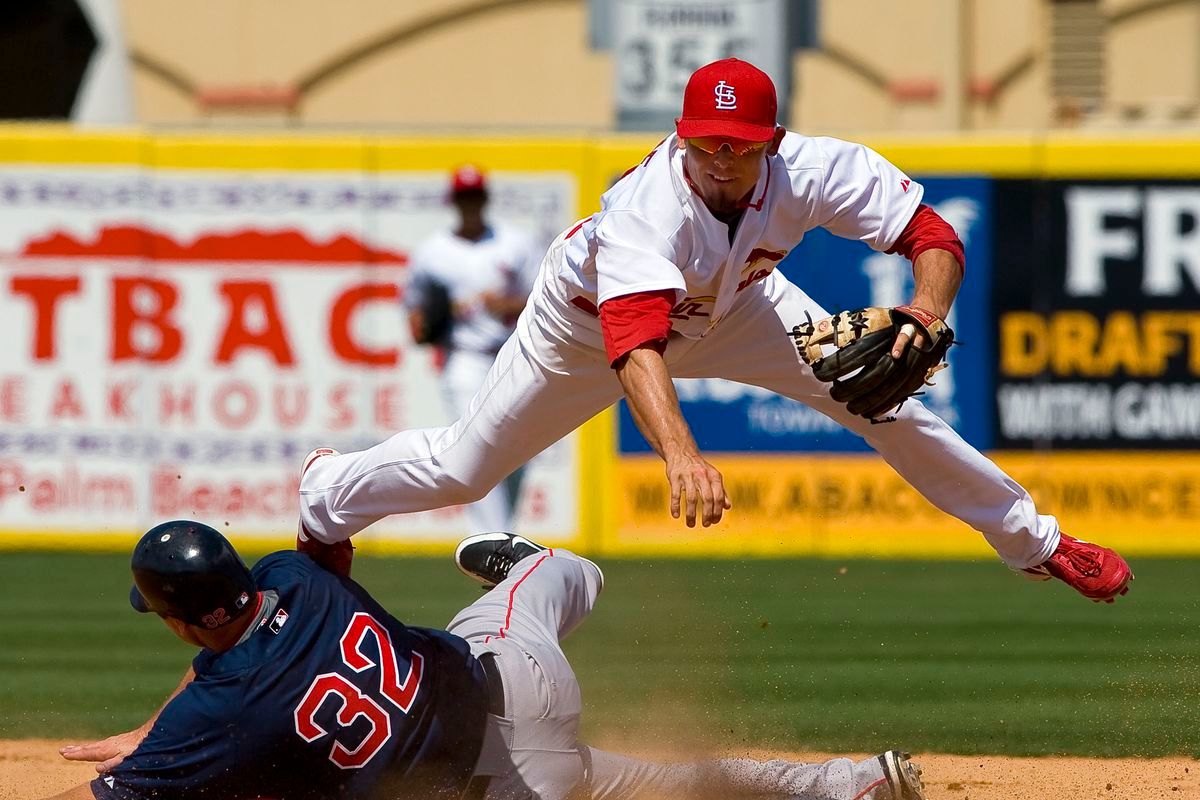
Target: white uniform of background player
{"type": "Point", "coordinates": [730, 319]}
{"type": "Point", "coordinates": [488, 270]}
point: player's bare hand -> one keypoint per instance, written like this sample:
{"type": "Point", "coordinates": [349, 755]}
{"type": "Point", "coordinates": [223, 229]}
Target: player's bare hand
{"type": "Point", "coordinates": [908, 333]}
{"type": "Point", "coordinates": [108, 752]}
{"type": "Point", "coordinates": [696, 489]}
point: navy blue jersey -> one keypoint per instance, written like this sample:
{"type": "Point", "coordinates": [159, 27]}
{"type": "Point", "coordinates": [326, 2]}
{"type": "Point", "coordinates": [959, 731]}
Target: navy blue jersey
{"type": "Point", "coordinates": [330, 696]}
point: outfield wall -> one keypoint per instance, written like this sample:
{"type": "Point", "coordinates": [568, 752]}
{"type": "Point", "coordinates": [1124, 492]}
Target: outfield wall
{"type": "Point", "coordinates": [188, 315]}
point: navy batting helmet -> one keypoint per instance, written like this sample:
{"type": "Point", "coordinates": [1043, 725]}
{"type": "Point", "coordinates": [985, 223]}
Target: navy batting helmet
{"type": "Point", "coordinates": [189, 571]}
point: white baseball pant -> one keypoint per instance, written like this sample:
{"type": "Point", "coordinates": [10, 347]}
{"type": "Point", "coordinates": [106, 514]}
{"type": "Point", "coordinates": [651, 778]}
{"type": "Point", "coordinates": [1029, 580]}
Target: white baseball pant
{"type": "Point", "coordinates": [533, 750]}
{"type": "Point", "coordinates": [552, 375]}
{"type": "Point", "coordinates": [463, 374]}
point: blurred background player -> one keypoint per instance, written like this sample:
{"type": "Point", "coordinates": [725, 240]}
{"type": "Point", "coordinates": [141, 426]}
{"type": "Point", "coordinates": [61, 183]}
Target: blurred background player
{"type": "Point", "coordinates": [467, 286]}
{"type": "Point", "coordinates": [307, 688]}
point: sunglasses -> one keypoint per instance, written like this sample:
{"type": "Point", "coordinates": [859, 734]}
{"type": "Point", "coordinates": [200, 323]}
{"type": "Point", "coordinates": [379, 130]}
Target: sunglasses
{"type": "Point", "coordinates": [739, 147]}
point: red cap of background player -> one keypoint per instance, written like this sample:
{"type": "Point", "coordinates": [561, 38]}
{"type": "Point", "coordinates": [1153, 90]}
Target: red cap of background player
{"type": "Point", "coordinates": [467, 178]}
{"type": "Point", "coordinates": [729, 98]}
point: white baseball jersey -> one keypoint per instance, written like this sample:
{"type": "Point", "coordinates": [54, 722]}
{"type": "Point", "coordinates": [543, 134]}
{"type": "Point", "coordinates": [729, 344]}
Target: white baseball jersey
{"type": "Point", "coordinates": [503, 261]}
{"type": "Point", "coordinates": [654, 232]}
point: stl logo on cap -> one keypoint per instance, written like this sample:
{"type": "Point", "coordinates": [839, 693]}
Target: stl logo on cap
{"type": "Point", "coordinates": [726, 99]}
{"type": "Point", "coordinates": [731, 98]}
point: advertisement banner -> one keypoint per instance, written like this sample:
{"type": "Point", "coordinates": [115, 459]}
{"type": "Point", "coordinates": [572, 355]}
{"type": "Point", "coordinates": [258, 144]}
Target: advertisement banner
{"type": "Point", "coordinates": [843, 274]}
{"type": "Point", "coordinates": [1097, 303]}
{"type": "Point", "coordinates": [177, 340]}
{"type": "Point", "coordinates": [855, 505]}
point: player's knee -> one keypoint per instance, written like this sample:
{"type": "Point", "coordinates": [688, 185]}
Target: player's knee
{"type": "Point", "coordinates": [575, 572]}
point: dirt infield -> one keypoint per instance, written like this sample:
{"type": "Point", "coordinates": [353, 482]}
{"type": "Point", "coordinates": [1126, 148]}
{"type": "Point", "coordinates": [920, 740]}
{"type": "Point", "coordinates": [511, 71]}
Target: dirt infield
{"type": "Point", "coordinates": [31, 769]}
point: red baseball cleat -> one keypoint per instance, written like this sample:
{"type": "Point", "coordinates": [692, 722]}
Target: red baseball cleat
{"type": "Point", "coordinates": [1095, 572]}
{"type": "Point", "coordinates": [337, 557]}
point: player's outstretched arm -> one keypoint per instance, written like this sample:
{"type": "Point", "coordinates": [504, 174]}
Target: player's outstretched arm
{"type": "Point", "coordinates": [112, 751]}
{"type": "Point", "coordinates": [655, 408]}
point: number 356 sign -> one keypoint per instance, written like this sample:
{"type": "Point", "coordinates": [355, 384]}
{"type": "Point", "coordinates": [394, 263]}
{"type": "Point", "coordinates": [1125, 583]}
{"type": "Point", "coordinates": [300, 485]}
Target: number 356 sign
{"type": "Point", "coordinates": [660, 43]}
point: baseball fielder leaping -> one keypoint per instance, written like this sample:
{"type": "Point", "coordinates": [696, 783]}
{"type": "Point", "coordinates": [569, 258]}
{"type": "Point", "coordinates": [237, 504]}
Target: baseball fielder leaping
{"type": "Point", "coordinates": [674, 277]}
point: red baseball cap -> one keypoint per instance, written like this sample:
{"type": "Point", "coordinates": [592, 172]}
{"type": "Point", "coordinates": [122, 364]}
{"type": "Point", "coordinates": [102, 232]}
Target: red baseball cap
{"type": "Point", "coordinates": [468, 178]}
{"type": "Point", "coordinates": [730, 98]}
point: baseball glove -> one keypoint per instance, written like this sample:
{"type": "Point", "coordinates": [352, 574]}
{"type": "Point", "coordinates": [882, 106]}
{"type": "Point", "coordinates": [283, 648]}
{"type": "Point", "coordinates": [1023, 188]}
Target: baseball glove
{"type": "Point", "coordinates": [437, 314]}
{"type": "Point", "coordinates": [864, 375]}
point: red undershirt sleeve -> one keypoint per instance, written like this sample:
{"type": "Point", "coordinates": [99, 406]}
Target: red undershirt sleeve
{"type": "Point", "coordinates": [633, 320]}
{"type": "Point", "coordinates": [928, 231]}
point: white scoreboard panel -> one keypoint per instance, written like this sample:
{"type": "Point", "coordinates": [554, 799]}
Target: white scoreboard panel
{"type": "Point", "coordinates": [658, 44]}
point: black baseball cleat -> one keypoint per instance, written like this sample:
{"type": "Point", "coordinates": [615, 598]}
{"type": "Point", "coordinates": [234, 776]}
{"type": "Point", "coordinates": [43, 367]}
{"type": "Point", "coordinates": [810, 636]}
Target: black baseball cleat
{"type": "Point", "coordinates": [487, 557]}
{"type": "Point", "coordinates": [903, 776]}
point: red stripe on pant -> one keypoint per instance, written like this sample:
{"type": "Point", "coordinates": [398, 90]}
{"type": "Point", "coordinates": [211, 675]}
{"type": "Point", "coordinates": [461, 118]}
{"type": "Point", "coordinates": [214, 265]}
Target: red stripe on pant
{"type": "Point", "coordinates": [512, 593]}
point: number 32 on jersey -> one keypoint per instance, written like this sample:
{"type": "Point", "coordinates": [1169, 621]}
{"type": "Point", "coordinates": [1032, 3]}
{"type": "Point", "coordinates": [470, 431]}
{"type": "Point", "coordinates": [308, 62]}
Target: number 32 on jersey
{"type": "Point", "coordinates": [354, 702]}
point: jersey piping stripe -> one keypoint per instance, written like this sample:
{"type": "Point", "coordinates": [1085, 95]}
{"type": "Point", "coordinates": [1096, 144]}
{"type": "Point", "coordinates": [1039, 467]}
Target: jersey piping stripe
{"type": "Point", "coordinates": [512, 593]}
{"type": "Point", "coordinates": [578, 225]}
{"type": "Point", "coordinates": [757, 206]}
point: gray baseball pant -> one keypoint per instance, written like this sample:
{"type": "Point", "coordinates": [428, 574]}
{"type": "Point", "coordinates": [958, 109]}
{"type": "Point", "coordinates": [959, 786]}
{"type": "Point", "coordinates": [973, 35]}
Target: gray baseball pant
{"type": "Point", "coordinates": [534, 752]}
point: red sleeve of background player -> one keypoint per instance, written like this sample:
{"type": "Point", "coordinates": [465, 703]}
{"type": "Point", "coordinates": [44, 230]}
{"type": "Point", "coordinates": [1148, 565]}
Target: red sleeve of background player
{"type": "Point", "coordinates": [928, 231]}
{"type": "Point", "coordinates": [633, 320]}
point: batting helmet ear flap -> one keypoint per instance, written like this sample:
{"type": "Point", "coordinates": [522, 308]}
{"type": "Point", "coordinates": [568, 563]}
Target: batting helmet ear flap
{"type": "Point", "coordinates": [189, 571]}
{"type": "Point", "coordinates": [137, 601]}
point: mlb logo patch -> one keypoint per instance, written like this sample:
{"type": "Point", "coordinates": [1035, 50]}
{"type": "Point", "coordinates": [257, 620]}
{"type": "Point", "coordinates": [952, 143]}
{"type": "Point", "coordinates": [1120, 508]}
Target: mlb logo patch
{"type": "Point", "coordinates": [281, 618]}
